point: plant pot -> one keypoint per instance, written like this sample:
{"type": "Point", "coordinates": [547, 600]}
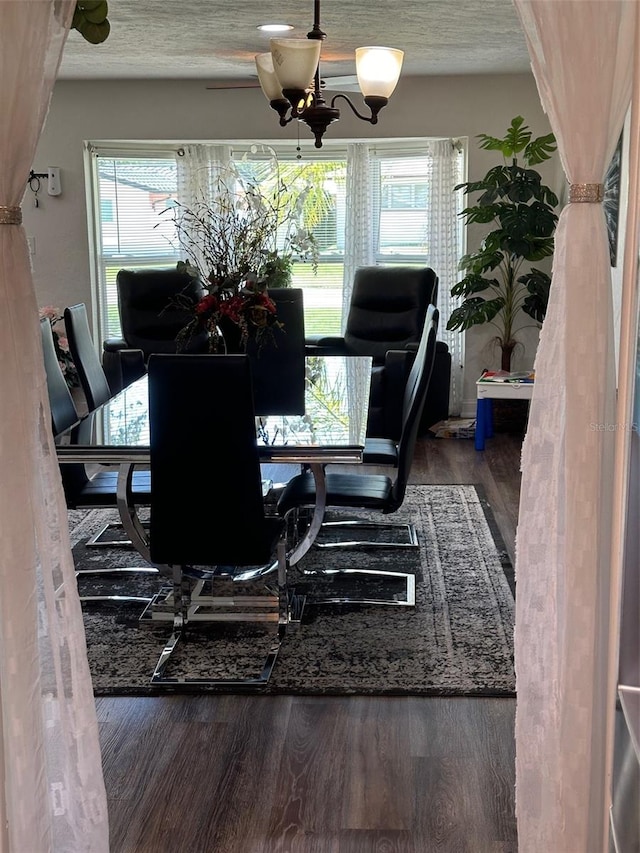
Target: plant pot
{"type": "Point", "coordinates": [230, 338]}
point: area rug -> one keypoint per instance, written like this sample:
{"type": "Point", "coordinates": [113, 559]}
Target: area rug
{"type": "Point", "coordinates": [457, 640]}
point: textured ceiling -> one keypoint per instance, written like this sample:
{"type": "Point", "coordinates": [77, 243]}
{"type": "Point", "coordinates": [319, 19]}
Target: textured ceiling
{"type": "Point", "coordinates": [216, 40]}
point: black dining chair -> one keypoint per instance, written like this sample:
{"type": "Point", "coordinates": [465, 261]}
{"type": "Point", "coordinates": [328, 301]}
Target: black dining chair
{"type": "Point", "coordinates": [403, 368]}
{"type": "Point", "coordinates": [278, 370]}
{"type": "Point", "coordinates": [377, 492]}
{"type": "Point", "coordinates": [95, 387]}
{"type": "Point", "coordinates": [63, 410]}
{"type": "Point", "coordinates": [93, 380]}
{"type": "Point", "coordinates": [154, 305]}
{"type": "Point", "coordinates": [81, 489]}
{"type": "Point", "coordinates": [207, 510]}
{"type": "Point", "coordinates": [277, 364]}
{"type": "Point", "coordinates": [386, 316]}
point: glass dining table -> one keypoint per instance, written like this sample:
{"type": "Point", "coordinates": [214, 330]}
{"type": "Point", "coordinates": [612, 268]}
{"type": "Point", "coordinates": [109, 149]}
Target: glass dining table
{"type": "Point", "coordinates": [330, 430]}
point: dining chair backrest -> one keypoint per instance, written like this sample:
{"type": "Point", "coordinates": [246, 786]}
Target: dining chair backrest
{"type": "Point", "coordinates": [63, 410]}
{"type": "Point", "coordinates": [414, 397]}
{"type": "Point", "coordinates": [63, 414]}
{"type": "Point", "coordinates": [206, 487]}
{"type": "Point", "coordinates": [277, 364]}
{"type": "Point", "coordinates": [85, 356]}
{"type": "Point", "coordinates": [388, 309]}
{"type": "Point", "coordinates": [149, 314]}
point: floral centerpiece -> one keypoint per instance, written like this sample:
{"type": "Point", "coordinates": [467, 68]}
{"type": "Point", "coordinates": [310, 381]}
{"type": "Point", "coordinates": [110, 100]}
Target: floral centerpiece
{"type": "Point", "coordinates": [229, 314]}
{"type": "Point", "coordinates": [61, 344]}
{"type": "Point", "coordinates": [241, 241]}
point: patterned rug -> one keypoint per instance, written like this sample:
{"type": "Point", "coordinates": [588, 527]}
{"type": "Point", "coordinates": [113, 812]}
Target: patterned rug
{"type": "Point", "coordinates": [456, 641]}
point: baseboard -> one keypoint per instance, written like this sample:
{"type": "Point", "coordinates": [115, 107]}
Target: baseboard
{"type": "Point", "coordinates": [468, 408]}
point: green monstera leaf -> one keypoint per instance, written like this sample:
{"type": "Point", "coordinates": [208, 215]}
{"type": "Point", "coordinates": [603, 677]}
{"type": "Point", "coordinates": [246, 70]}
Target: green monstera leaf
{"type": "Point", "coordinates": [475, 311]}
{"type": "Point", "coordinates": [515, 140]}
{"type": "Point", "coordinates": [538, 284]}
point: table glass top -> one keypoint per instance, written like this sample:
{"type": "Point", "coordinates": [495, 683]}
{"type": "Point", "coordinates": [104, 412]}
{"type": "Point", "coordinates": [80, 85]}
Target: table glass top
{"type": "Point", "coordinates": [333, 424]}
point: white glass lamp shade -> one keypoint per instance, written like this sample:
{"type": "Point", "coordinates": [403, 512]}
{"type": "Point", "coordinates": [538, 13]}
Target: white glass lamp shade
{"type": "Point", "coordinates": [267, 77]}
{"type": "Point", "coordinates": [378, 70]}
{"type": "Point", "coordinates": [295, 61]}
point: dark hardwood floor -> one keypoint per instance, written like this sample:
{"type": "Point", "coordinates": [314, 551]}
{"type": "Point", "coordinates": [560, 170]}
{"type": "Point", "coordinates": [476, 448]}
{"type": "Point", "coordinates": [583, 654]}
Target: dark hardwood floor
{"type": "Point", "coordinates": [286, 774]}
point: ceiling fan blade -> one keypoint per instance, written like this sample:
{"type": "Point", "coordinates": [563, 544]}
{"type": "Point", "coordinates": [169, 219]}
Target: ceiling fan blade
{"type": "Point", "coordinates": [234, 84]}
{"type": "Point", "coordinates": [347, 83]}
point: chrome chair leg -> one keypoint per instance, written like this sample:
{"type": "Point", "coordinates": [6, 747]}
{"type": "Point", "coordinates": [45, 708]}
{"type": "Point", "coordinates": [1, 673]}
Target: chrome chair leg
{"type": "Point", "coordinates": [186, 602]}
{"type": "Point", "coordinates": [132, 525]}
{"type": "Point", "coordinates": [405, 598]}
{"type": "Point", "coordinates": [116, 570]}
{"type": "Point", "coordinates": [129, 520]}
{"type": "Point", "coordinates": [116, 599]}
{"type": "Point", "coordinates": [409, 529]}
{"type": "Point", "coordinates": [98, 539]}
{"type": "Point", "coordinates": [145, 570]}
{"type": "Point", "coordinates": [159, 676]}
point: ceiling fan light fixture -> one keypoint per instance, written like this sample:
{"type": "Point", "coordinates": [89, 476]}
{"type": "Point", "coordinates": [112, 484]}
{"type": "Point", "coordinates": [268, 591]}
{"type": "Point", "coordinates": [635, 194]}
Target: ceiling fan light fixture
{"type": "Point", "coordinates": [268, 78]}
{"type": "Point", "coordinates": [378, 70]}
{"type": "Point", "coordinates": [295, 61]}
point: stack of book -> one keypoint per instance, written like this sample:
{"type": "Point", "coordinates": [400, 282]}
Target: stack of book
{"type": "Point", "coordinates": [506, 376]}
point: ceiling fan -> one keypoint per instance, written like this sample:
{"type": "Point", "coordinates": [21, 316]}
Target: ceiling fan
{"type": "Point", "coordinates": [347, 83]}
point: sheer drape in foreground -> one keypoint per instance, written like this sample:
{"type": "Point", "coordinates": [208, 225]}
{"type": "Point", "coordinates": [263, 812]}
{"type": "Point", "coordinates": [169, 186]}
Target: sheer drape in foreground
{"type": "Point", "coordinates": [581, 52]}
{"type": "Point", "coordinates": [52, 797]}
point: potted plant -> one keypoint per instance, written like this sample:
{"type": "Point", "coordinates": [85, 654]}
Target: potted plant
{"type": "Point", "coordinates": [521, 209]}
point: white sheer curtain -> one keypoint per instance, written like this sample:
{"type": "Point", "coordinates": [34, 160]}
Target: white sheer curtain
{"type": "Point", "coordinates": [197, 168]}
{"type": "Point", "coordinates": [359, 243]}
{"type": "Point", "coordinates": [443, 234]}
{"type": "Point", "coordinates": [444, 240]}
{"type": "Point", "coordinates": [52, 795]}
{"type": "Point", "coordinates": [581, 52]}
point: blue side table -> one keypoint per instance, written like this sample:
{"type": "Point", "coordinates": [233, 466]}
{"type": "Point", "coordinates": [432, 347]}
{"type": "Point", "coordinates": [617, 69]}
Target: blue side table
{"type": "Point", "coordinates": [488, 390]}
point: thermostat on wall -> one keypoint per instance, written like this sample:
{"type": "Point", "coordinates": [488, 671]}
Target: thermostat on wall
{"type": "Point", "coordinates": [53, 185]}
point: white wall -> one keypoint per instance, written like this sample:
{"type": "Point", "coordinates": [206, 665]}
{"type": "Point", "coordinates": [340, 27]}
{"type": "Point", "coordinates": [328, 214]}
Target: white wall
{"type": "Point", "coordinates": [186, 111]}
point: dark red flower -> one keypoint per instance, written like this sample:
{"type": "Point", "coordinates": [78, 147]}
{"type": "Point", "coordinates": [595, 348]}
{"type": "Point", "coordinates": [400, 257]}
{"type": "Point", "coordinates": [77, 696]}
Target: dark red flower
{"type": "Point", "coordinates": [263, 301]}
{"type": "Point", "coordinates": [207, 304]}
{"type": "Point", "coordinates": [232, 308]}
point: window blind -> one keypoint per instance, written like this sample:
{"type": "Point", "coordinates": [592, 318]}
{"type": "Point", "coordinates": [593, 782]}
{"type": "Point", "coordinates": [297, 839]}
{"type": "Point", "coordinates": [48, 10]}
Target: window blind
{"type": "Point", "coordinates": [131, 193]}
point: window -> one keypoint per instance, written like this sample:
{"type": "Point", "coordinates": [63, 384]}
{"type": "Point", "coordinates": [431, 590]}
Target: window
{"type": "Point", "coordinates": [402, 196]}
{"type": "Point", "coordinates": [400, 193]}
{"type": "Point", "coordinates": [131, 193]}
{"type": "Point", "coordinates": [400, 221]}
{"type": "Point", "coordinates": [324, 216]}
{"type": "Point", "coordinates": [397, 195]}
